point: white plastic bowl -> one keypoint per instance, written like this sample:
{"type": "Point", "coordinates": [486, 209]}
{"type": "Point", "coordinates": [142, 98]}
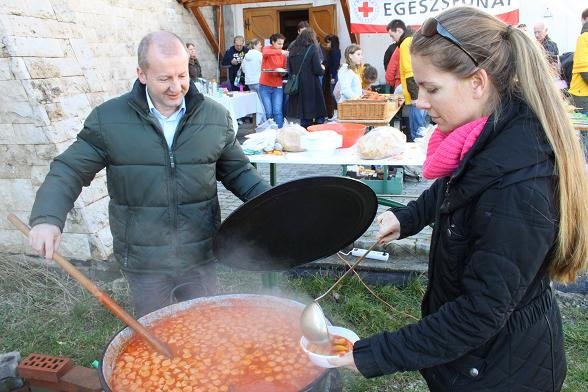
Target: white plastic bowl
{"type": "Point", "coordinates": [323, 360]}
{"type": "Point", "coordinates": [321, 143]}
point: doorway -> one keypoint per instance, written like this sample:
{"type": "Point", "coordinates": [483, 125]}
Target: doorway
{"type": "Point", "coordinates": [261, 22]}
{"type": "Point", "coordinates": [289, 24]}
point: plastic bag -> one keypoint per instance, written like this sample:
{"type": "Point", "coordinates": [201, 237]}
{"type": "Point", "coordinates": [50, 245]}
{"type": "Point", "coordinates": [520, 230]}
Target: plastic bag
{"type": "Point", "coordinates": [267, 124]}
{"type": "Point", "coordinates": [259, 142]}
{"type": "Point", "coordinates": [381, 142]}
{"type": "Point", "coordinates": [289, 137]}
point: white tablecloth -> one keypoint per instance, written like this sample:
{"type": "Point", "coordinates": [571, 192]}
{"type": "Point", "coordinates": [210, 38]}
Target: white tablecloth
{"type": "Point", "coordinates": [241, 104]}
{"type": "Point", "coordinates": [414, 155]}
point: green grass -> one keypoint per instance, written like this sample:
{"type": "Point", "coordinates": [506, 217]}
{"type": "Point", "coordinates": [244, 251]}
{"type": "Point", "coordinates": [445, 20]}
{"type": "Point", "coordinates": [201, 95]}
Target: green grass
{"type": "Point", "coordinates": [43, 311]}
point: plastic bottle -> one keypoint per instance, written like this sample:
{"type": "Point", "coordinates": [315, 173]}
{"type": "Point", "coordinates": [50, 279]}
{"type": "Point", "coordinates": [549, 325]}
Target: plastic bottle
{"type": "Point", "coordinates": [214, 87]}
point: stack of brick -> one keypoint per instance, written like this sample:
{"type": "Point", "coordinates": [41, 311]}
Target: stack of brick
{"type": "Point", "coordinates": [58, 374]}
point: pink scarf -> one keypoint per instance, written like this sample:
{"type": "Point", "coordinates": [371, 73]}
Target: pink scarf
{"type": "Point", "coordinates": [446, 150]}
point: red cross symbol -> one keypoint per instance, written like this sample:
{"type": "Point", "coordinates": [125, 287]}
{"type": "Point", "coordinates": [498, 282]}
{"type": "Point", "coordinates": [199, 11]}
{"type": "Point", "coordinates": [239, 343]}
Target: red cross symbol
{"type": "Point", "coordinates": [366, 9]}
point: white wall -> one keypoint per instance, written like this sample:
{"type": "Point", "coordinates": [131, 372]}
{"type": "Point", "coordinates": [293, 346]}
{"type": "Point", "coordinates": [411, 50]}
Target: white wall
{"type": "Point", "coordinates": [565, 23]}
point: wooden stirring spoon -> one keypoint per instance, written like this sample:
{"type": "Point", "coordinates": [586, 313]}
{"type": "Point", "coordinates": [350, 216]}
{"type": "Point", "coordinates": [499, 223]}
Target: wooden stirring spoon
{"type": "Point", "coordinates": [100, 295]}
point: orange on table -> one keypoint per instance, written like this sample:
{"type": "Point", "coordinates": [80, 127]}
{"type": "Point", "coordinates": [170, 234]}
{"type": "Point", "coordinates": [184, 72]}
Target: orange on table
{"type": "Point", "coordinates": [220, 348]}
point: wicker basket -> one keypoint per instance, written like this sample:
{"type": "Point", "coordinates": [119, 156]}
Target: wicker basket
{"type": "Point", "coordinates": [363, 109]}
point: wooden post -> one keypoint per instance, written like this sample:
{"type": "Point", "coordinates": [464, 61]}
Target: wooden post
{"type": "Point", "coordinates": [347, 16]}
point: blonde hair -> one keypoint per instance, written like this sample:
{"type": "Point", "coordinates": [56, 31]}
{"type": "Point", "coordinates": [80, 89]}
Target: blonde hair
{"type": "Point", "coordinates": [253, 43]}
{"type": "Point", "coordinates": [348, 52]}
{"type": "Point", "coordinates": [517, 67]}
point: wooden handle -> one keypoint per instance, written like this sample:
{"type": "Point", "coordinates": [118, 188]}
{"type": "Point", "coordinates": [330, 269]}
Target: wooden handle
{"type": "Point", "coordinates": [108, 302]}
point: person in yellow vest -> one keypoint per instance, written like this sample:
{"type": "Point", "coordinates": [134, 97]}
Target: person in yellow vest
{"type": "Point", "coordinates": [402, 35]}
{"type": "Point", "coordinates": [579, 84]}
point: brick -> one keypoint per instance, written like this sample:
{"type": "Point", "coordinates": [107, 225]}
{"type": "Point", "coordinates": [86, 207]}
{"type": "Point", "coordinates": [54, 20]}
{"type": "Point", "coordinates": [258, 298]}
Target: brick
{"type": "Point", "coordinates": [16, 194]}
{"type": "Point", "coordinates": [34, 47]}
{"type": "Point", "coordinates": [40, 68]}
{"type": "Point", "coordinates": [5, 72]}
{"type": "Point", "coordinates": [29, 134]}
{"type": "Point", "coordinates": [44, 367]}
{"type": "Point", "coordinates": [37, 8]}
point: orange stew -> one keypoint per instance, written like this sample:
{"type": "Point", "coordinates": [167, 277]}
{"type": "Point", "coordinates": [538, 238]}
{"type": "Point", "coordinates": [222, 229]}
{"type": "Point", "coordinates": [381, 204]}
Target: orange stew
{"type": "Point", "coordinates": [338, 346]}
{"type": "Point", "coordinates": [241, 348]}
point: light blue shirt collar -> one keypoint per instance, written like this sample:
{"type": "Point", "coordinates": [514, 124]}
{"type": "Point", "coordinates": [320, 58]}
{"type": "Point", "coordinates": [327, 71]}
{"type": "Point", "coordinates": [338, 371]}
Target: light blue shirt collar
{"type": "Point", "coordinates": [170, 123]}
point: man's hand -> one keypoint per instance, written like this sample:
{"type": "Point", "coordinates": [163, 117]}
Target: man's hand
{"type": "Point", "coordinates": [389, 227]}
{"type": "Point", "coordinates": [285, 53]}
{"type": "Point", "coordinates": [45, 239]}
{"type": "Point", "coordinates": [234, 62]}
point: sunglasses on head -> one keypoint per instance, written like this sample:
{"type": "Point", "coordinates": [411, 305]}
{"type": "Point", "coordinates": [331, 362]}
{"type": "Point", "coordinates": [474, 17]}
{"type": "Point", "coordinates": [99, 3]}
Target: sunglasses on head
{"type": "Point", "coordinates": [432, 26]}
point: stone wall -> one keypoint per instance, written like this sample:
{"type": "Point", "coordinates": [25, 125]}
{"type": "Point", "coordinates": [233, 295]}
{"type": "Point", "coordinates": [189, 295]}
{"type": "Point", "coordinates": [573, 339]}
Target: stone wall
{"type": "Point", "coordinates": [58, 60]}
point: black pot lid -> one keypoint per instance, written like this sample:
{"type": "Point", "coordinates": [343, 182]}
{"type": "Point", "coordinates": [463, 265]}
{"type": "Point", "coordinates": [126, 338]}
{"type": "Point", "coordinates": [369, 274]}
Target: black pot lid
{"type": "Point", "coordinates": [295, 223]}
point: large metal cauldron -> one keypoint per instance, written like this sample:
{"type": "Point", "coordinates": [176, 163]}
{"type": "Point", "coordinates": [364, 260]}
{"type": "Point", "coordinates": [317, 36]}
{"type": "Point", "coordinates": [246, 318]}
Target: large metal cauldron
{"type": "Point", "coordinates": [122, 338]}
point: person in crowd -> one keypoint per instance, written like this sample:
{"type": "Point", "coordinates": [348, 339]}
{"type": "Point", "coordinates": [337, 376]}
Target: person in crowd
{"type": "Point", "coordinates": [369, 76]}
{"type": "Point", "coordinates": [393, 71]}
{"type": "Point", "coordinates": [551, 50]}
{"type": "Point", "coordinates": [350, 83]}
{"type": "Point", "coordinates": [402, 35]}
{"type": "Point", "coordinates": [330, 78]}
{"type": "Point", "coordinates": [271, 83]}
{"type": "Point", "coordinates": [251, 65]}
{"type": "Point", "coordinates": [579, 83]}
{"type": "Point", "coordinates": [308, 105]}
{"type": "Point", "coordinates": [510, 189]}
{"type": "Point", "coordinates": [523, 27]}
{"type": "Point", "coordinates": [232, 59]}
{"type": "Point", "coordinates": [193, 65]}
{"type": "Point", "coordinates": [388, 54]}
{"type": "Point", "coordinates": [164, 146]}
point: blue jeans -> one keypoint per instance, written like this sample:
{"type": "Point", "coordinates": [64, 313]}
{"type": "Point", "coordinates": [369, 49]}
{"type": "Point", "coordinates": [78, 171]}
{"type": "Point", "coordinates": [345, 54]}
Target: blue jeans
{"type": "Point", "coordinates": [416, 120]}
{"type": "Point", "coordinates": [272, 99]}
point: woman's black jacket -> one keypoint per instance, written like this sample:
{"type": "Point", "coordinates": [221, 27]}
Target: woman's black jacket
{"type": "Point", "coordinates": [490, 322]}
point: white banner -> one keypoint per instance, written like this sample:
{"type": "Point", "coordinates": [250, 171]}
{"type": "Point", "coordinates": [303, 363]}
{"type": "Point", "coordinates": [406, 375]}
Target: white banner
{"type": "Point", "coordinates": [372, 16]}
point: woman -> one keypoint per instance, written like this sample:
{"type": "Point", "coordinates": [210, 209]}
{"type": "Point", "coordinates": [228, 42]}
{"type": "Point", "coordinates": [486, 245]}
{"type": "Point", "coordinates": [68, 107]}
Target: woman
{"type": "Point", "coordinates": [511, 189]}
{"type": "Point", "coordinates": [194, 68]}
{"type": "Point", "coordinates": [308, 105]}
{"type": "Point", "coordinates": [350, 85]}
{"type": "Point", "coordinates": [332, 64]}
{"type": "Point", "coordinates": [251, 65]}
{"type": "Point", "coordinates": [270, 83]}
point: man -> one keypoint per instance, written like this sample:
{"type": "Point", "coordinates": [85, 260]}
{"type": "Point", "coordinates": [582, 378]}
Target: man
{"type": "Point", "coordinates": [232, 59]}
{"type": "Point", "coordinates": [540, 31]}
{"type": "Point", "coordinates": [579, 84]}
{"type": "Point", "coordinates": [164, 146]}
{"type": "Point", "coordinates": [403, 37]}
{"type": "Point", "coordinates": [194, 67]}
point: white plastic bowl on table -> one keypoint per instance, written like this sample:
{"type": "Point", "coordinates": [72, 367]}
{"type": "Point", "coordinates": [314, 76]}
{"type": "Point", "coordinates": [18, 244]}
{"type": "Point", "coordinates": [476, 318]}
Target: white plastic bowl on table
{"type": "Point", "coordinates": [323, 360]}
{"type": "Point", "coordinates": [321, 142]}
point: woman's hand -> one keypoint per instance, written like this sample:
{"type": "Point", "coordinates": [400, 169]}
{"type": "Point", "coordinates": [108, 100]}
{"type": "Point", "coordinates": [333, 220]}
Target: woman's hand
{"type": "Point", "coordinates": [344, 361]}
{"type": "Point", "coordinates": [389, 227]}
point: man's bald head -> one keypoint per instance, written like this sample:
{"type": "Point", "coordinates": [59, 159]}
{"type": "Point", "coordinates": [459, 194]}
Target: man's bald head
{"type": "Point", "coordinates": [163, 42]}
{"type": "Point", "coordinates": [540, 31]}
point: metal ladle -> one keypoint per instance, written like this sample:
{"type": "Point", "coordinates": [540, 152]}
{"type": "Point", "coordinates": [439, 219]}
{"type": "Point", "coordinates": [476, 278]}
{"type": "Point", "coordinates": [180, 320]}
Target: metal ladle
{"type": "Point", "coordinates": [312, 321]}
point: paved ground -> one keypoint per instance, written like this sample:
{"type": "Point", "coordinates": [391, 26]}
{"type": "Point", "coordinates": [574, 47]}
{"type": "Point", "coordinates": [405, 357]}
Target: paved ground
{"type": "Point", "coordinates": [407, 256]}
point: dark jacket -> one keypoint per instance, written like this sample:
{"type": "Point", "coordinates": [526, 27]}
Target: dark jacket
{"type": "Point", "coordinates": [490, 322]}
{"type": "Point", "coordinates": [231, 54]}
{"type": "Point", "coordinates": [309, 102]}
{"type": "Point", "coordinates": [163, 205]}
{"type": "Point", "coordinates": [551, 50]}
{"type": "Point", "coordinates": [194, 69]}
